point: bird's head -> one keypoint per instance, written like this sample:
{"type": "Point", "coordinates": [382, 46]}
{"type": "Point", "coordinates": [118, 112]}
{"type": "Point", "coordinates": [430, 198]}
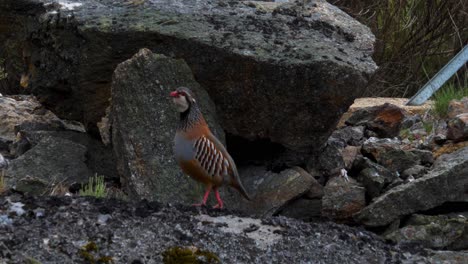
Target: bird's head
{"type": "Point", "coordinates": [183, 99]}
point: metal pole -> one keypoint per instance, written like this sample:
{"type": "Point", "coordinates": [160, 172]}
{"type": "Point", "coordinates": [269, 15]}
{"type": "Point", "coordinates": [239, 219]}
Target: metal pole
{"type": "Point", "coordinates": [440, 78]}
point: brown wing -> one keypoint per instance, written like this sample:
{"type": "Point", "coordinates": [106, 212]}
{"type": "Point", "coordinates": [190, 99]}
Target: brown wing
{"type": "Point", "coordinates": [216, 161]}
{"type": "Point", "coordinates": [211, 159]}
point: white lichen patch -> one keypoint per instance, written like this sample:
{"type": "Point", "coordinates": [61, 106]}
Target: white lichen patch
{"type": "Point", "coordinates": [69, 5]}
{"type": "Point", "coordinates": [263, 235]}
{"type": "Point", "coordinates": [16, 208]}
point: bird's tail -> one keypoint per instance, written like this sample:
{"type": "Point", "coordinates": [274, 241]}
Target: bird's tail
{"type": "Point", "coordinates": [242, 191]}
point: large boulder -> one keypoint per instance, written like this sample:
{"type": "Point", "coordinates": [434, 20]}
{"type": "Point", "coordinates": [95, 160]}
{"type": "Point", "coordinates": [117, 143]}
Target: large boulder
{"type": "Point", "coordinates": [278, 71]}
{"type": "Point", "coordinates": [144, 122]}
{"type": "Point", "coordinates": [446, 182]}
{"type": "Point", "coordinates": [99, 158]}
{"type": "Point", "coordinates": [53, 163]}
{"type": "Point", "coordinates": [270, 191]}
{"type": "Point", "coordinates": [438, 231]}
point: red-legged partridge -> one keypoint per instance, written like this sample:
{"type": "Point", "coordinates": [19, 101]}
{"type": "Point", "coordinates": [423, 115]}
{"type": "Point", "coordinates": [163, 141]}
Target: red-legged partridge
{"type": "Point", "coordinates": [199, 153]}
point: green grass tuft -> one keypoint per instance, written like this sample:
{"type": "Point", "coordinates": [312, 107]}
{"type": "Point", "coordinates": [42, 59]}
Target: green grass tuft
{"type": "Point", "coordinates": [2, 182]}
{"type": "Point", "coordinates": [443, 97]}
{"type": "Point", "coordinates": [95, 187]}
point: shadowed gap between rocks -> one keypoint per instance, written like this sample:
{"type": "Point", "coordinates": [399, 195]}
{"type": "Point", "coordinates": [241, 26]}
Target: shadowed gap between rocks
{"type": "Point", "coordinates": [445, 208]}
{"type": "Point", "coordinates": [261, 152]}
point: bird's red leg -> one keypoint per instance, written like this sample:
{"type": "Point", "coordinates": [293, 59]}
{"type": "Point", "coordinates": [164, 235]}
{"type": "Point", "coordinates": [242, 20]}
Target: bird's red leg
{"type": "Point", "coordinates": [205, 197]}
{"type": "Point", "coordinates": [218, 198]}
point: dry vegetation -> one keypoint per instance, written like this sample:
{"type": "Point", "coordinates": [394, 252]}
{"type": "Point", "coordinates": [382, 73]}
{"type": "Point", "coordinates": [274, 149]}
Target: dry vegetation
{"type": "Point", "coordinates": [415, 38]}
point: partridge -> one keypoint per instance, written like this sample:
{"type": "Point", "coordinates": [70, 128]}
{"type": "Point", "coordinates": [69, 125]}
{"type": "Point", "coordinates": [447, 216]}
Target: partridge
{"type": "Point", "coordinates": [199, 153]}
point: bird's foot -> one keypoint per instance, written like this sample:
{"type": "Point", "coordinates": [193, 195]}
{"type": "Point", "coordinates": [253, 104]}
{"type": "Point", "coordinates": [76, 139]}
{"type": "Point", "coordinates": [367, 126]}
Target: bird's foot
{"type": "Point", "coordinates": [198, 204]}
{"type": "Point", "coordinates": [344, 174]}
{"type": "Point", "coordinates": [218, 206]}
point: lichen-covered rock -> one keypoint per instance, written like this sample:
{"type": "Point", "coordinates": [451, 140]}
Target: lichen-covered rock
{"type": "Point", "coordinates": [144, 123]}
{"type": "Point", "coordinates": [437, 232]}
{"type": "Point", "coordinates": [350, 154]}
{"type": "Point", "coordinates": [447, 256]}
{"type": "Point", "coordinates": [376, 147]}
{"type": "Point", "coordinates": [100, 159]}
{"type": "Point", "coordinates": [398, 160]}
{"type": "Point", "coordinates": [25, 113]}
{"type": "Point", "coordinates": [349, 135]}
{"type": "Point", "coordinates": [52, 162]}
{"type": "Point", "coordinates": [457, 107]}
{"type": "Point", "coordinates": [308, 61]}
{"type": "Point", "coordinates": [315, 191]}
{"type": "Point", "coordinates": [270, 191]}
{"type": "Point", "coordinates": [342, 198]}
{"type": "Point", "coordinates": [445, 182]}
{"type": "Point", "coordinates": [425, 156]}
{"type": "Point", "coordinates": [374, 177]}
{"type": "Point", "coordinates": [417, 171]}
{"type": "Point", "coordinates": [394, 155]}
{"type": "Point", "coordinates": [385, 120]}
{"type": "Point", "coordinates": [330, 160]}
{"type": "Point", "coordinates": [142, 232]}
{"type": "Point", "coordinates": [457, 128]}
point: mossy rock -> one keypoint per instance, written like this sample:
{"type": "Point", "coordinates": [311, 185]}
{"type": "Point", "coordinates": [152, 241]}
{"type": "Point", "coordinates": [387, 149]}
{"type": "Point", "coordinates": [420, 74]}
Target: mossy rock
{"type": "Point", "coordinates": [188, 255]}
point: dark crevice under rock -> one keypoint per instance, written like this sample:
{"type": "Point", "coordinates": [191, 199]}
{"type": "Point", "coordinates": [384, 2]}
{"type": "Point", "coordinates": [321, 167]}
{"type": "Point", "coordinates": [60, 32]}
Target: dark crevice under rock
{"type": "Point", "coordinates": [261, 152]}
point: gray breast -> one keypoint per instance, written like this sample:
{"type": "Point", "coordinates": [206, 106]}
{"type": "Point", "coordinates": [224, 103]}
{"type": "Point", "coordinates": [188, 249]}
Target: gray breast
{"type": "Point", "coordinates": [183, 148]}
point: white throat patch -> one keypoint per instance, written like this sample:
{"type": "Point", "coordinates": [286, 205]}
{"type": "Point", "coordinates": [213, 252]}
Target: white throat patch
{"type": "Point", "coordinates": [181, 103]}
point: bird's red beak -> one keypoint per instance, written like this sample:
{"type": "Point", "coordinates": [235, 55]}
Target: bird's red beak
{"type": "Point", "coordinates": [174, 94]}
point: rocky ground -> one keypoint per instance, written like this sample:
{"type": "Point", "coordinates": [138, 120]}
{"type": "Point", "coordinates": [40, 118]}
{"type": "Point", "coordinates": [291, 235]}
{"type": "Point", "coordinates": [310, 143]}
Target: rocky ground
{"type": "Point", "coordinates": [80, 230]}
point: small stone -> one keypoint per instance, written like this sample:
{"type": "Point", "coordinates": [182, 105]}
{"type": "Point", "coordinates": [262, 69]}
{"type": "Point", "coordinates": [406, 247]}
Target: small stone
{"type": "Point", "coordinates": [376, 147]}
{"type": "Point", "coordinates": [374, 177]}
{"type": "Point", "coordinates": [351, 135]}
{"type": "Point", "coordinates": [39, 212]}
{"type": "Point", "coordinates": [398, 160]}
{"type": "Point", "coordinates": [385, 120]}
{"type": "Point", "coordinates": [5, 220]}
{"type": "Point", "coordinates": [410, 120]}
{"type": "Point", "coordinates": [417, 171]}
{"type": "Point", "coordinates": [349, 154]}
{"type": "Point", "coordinates": [457, 107]}
{"type": "Point", "coordinates": [3, 162]}
{"type": "Point", "coordinates": [331, 160]}
{"type": "Point", "coordinates": [425, 156]}
{"type": "Point", "coordinates": [342, 198]}
{"type": "Point", "coordinates": [457, 128]}
{"type": "Point", "coordinates": [440, 139]}
{"type": "Point", "coordinates": [103, 218]}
